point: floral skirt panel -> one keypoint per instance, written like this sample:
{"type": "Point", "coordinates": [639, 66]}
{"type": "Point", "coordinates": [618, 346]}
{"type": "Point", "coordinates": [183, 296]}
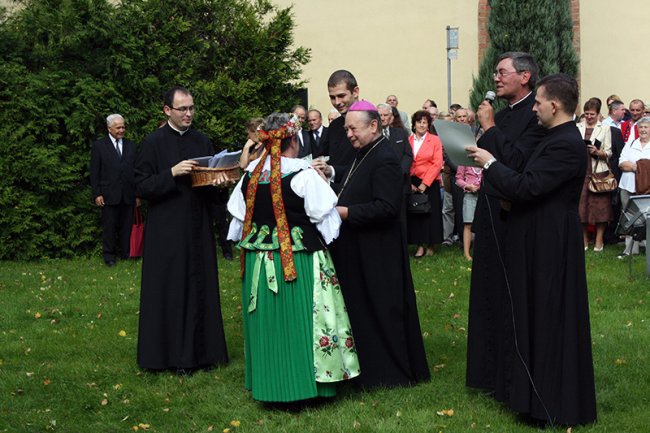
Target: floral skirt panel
{"type": "Point", "coordinates": [297, 336]}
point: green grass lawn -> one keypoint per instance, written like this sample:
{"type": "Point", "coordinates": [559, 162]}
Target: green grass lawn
{"type": "Point", "coordinates": [68, 333]}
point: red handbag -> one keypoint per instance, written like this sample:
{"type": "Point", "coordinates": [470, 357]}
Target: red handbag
{"type": "Point", "coordinates": [137, 234]}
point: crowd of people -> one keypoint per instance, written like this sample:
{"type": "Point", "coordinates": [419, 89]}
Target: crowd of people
{"type": "Point", "coordinates": [323, 217]}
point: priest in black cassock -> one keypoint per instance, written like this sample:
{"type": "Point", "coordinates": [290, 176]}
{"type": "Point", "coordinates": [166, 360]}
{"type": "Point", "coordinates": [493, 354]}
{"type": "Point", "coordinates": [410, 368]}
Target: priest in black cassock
{"type": "Point", "coordinates": [344, 91]}
{"type": "Point", "coordinates": [511, 135]}
{"type": "Point", "coordinates": [372, 265]}
{"type": "Point", "coordinates": [550, 374]}
{"type": "Point", "coordinates": [180, 327]}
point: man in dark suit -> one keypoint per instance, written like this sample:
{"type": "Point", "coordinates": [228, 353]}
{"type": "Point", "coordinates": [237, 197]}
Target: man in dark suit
{"type": "Point", "coordinates": [398, 140]}
{"type": "Point", "coordinates": [304, 138]}
{"type": "Point", "coordinates": [317, 132]}
{"type": "Point", "coordinates": [112, 160]}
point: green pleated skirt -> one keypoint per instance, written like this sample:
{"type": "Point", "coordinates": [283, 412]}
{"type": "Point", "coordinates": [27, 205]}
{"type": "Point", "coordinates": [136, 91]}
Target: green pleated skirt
{"type": "Point", "coordinates": [279, 335]}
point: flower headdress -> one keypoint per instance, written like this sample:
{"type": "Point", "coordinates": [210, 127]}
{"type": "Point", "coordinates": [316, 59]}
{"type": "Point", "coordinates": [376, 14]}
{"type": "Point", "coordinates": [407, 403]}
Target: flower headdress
{"type": "Point", "coordinates": [272, 140]}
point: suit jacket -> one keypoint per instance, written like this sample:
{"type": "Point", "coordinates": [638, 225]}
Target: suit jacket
{"type": "Point", "coordinates": [427, 164]}
{"type": "Point", "coordinates": [400, 143]}
{"type": "Point", "coordinates": [337, 146]}
{"type": "Point", "coordinates": [111, 176]}
{"type": "Point", "coordinates": [617, 148]}
{"type": "Point", "coordinates": [323, 138]}
{"type": "Point", "coordinates": [305, 144]}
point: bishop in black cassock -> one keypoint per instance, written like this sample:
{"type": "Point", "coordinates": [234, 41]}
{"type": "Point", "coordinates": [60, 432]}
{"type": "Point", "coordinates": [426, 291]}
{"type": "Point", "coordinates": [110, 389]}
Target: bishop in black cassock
{"type": "Point", "coordinates": [372, 264]}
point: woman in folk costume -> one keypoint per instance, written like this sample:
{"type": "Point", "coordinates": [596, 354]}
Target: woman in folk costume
{"type": "Point", "coordinates": [297, 337]}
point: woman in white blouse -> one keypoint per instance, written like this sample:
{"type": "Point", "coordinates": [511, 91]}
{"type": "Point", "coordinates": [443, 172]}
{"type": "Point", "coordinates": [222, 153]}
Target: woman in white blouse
{"type": "Point", "coordinates": [632, 152]}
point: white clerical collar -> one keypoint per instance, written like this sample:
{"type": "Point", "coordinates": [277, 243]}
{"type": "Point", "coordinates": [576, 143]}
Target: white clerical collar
{"type": "Point", "coordinates": [177, 130]}
{"type": "Point", "coordinates": [513, 105]}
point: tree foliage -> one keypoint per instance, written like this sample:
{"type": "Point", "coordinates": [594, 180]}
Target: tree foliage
{"type": "Point", "coordinates": [542, 28]}
{"type": "Point", "coordinates": [66, 64]}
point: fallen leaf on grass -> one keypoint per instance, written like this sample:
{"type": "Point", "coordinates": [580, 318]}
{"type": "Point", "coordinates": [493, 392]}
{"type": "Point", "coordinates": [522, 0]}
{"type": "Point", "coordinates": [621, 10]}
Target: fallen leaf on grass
{"type": "Point", "coordinates": [47, 381]}
{"type": "Point", "coordinates": [210, 428]}
{"type": "Point", "coordinates": [438, 367]}
{"type": "Point", "coordinates": [226, 430]}
{"type": "Point", "coordinates": [235, 423]}
{"type": "Point", "coordinates": [445, 412]}
{"type": "Point", "coordinates": [122, 333]}
{"type": "Point", "coordinates": [398, 413]}
{"type": "Point", "coordinates": [620, 361]}
{"type": "Point", "coordinates": [104, 402]}
{"type": "Point", "coordinates": [356, 424]}
{"type": "Point", "coordinates": [37, 315]}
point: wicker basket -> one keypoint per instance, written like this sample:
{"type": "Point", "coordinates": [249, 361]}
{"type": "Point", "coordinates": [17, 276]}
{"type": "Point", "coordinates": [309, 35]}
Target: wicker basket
{"type": "Point", "coordinates": [203, 176]}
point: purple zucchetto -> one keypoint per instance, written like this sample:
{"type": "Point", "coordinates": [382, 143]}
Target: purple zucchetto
{"type": "Point", "coordinates": [362, 106]}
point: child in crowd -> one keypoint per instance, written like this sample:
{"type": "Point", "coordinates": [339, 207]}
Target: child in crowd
{"type": "Point", "coordinates": [469, 179]}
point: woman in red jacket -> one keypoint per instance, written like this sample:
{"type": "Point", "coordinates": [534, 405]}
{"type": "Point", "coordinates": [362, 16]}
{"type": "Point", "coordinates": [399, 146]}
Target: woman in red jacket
{"type": "Point", "coordinates": [425, 230]}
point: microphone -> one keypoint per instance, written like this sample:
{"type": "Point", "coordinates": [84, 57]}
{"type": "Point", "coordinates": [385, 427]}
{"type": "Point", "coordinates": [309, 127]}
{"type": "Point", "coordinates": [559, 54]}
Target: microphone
{"type": "Point", "coordinates": [490, 96]}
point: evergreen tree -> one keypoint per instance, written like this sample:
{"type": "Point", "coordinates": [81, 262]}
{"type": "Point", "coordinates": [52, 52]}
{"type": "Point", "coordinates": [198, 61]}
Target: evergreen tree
{"type": "Point", "coordinates": [66, 64]}
{"type": "Point", "coordinates": [542, 28]}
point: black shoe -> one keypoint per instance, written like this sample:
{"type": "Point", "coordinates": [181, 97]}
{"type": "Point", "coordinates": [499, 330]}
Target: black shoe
{"type": "Point", "coordinates": [110, 263]}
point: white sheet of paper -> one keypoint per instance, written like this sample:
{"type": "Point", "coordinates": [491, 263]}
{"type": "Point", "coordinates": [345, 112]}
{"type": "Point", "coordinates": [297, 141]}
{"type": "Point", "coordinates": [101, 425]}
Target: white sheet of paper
{"type": "Point", "coordinates": [455, 137]}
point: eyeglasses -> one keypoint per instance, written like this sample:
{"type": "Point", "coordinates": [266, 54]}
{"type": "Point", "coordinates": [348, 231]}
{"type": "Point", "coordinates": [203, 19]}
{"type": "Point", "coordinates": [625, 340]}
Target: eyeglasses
{"type": "Point", "coordinates": [184, 110]}
{"type": "Point", "coordinates": [502, 73]}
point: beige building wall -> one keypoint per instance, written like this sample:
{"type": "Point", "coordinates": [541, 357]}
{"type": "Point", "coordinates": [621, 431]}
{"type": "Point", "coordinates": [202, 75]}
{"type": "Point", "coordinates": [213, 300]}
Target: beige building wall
{"type": "Point", "coordinates": [613, 58]}
{"type": "Point", "coordinates": [399, 47]}
{"type": "Point", "coordinates": [392, 47]}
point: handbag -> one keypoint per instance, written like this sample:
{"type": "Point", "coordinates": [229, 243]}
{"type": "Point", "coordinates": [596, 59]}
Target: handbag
{"type": "Point", "coordinates": [642, 177]}
{"type": "Point", "coordinates": [136, 245]}
{"type": "Point", "coordinates": [419, 203]}
{"type": "Point", "coordinates": [602, 182]}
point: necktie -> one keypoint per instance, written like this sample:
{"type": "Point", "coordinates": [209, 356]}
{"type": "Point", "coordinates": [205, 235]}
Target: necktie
{"type": "Point", "coordinates": [316, 138]}
{"type": "Point", "coordinates": [117, 147]}
{"type": "Point", "coordinates": [386, 133]}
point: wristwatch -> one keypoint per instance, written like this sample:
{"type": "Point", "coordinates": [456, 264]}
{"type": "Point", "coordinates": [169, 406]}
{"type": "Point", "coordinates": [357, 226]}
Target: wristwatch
{"type": "Point", "coordinates": [489, 163]}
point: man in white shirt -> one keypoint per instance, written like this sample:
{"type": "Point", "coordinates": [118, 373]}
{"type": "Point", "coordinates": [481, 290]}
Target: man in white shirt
{"type": "Point", "coordinates": [392, 101]}
{"type": "Point", "coordinates": [317, 132]}
{"type": "Point", "coordinates": [112, 161]}
{"type": "Point", "coordinates": [616, 113]}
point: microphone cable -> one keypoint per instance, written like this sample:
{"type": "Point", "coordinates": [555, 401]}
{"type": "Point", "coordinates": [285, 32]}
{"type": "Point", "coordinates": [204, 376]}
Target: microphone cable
{"type": "Point", "coordinates": [512, 311]}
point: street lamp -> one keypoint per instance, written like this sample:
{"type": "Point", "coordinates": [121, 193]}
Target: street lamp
{"type": "Point", "coordinates": [452, 54]}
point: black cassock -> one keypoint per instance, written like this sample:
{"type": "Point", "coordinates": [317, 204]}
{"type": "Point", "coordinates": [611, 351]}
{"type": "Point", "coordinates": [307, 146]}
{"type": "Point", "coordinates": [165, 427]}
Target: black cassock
{"type": "Point", "coordinates": [545, 265]}
{"type": "Point", "coordinates": [511, 141]}
{"type": "Point", "coordinates": [373, 269]}
{"type": "Point", "coordinates": [180, 314]}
